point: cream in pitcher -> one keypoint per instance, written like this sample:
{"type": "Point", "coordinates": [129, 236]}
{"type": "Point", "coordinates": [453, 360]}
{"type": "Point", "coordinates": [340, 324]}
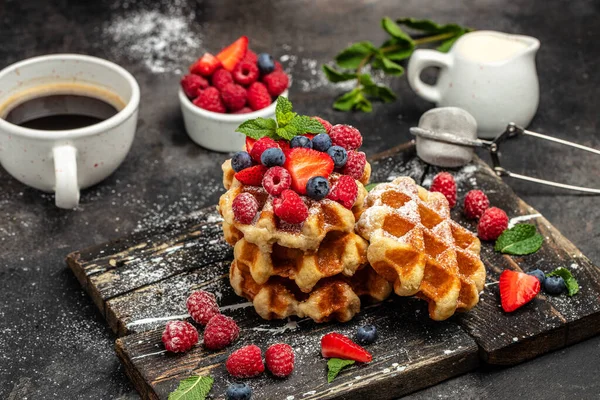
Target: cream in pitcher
{"type": "Point", "coordinates": [490, 74]}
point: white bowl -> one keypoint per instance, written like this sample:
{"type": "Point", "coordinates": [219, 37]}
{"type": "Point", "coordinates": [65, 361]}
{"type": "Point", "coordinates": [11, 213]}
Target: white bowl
{"type": "Point", "coordinates": [216, 131]}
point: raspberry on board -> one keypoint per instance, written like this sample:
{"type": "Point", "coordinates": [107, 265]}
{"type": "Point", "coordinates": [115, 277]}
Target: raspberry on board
{"type": "Point", "coordinates": [179, 336]}
{"type": "Point", "coordinates": [280, 359]}
{"type": "Point", "coordinates": [245, 362]}
{"type": "Point", "coordinates": [202, 306]}
{"type": "Point", "coordinates": [444, 183]}
{"type": "Point", "coordinates": [476, 202]}
{"type": "Point", "coordinates": [492, 223]}
{"type": "Point", "coordinates": [245, 207]}
{"type": "Point", "coordinates": [276, 82]}
{"type": "Point", "coordinates": [258, 96]}
{"type": "Point", "coordinates": [346, 136]}
{"type": "Point", "coordinates": [210, 99]}
{"type": "Point", "coordinates": [234, 97]}
{"type": "Point", "coordinates": [220, 332]}
{"type": "Point", "coordinates": [355, 165]}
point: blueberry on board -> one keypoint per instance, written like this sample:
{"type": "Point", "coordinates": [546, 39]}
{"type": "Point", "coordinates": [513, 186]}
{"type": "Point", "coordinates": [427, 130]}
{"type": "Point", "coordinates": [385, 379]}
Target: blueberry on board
{"type": "Point", "coordinates": [265, 63]}
{"type": "Point", "coordinates": [366, 334]}
{"type": "Point", "coordinates": [538, 274]}
{"type": "Point", "coordinates": [321, 142]}
{"type": "Point", "coordinates": [239, 391]}
{"type": "Point", "coordinates": [554, 285]}
{"type": "Point", "coordinates": [301, 141]}
{"type": "Point", "coordinates": [272, 157]}
{"type": "Point", "coordinates": [317, 187]}
{"type": "Point", "coordinates": [241, 160]}
{"type": "Point", "coordinates": [339, 155]}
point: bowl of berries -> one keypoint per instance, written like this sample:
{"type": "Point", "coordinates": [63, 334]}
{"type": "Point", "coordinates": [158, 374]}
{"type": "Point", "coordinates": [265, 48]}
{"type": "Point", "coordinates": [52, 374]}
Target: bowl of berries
{"type": "Point", "coordinates": [220, 92]}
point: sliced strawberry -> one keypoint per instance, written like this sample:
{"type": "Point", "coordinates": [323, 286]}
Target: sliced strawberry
{"type": "Point", "coordinates": [249, 144]}
{"type": "Point", "coordinates": [252, 176]}
{"type": "Point", "coordinates": [517, 289]}
{"type": "Point", "coordinates": [340, 346]}
{"type": "Point", "coordinates": [283, 144]}
{"type": "Point", "coordinates": [233, 54]}
{"type": "Point", "coordinates": [309, 135]}
{"type": "Point", "coordinates": [206, 65]}
{"type": "Point", "coordinates": [303, 164]}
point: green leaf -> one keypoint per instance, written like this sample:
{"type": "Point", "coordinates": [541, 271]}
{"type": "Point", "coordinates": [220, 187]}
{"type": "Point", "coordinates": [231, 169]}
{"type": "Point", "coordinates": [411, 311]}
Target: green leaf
{"type": "Point", "coordinates": [334, 366]}
{"type": "Point", "coordinates": [352, 56]}
{"type": "Point", "coordinates": [447, 44]}
{"type": "Point", "coordinates": [370, 88]}
{"type": "Point", "coordinates": [336, 76]}
{"type": "Point", "coordinates": [390, 67]}
{"type": "Point", "coordinates": [286, 118]}
{"type": "Point", "coordinates": [572, 285]}
{"type": "Point", "coordinates": [396, 50]}
{"type": "Point", "coordinates": [428, 26]}
{"type": "Point", "coordinates": [395, 31]}
{"type": "Point", "coordinates": [363, 104]}
{"type": "Point", "coordinates": [192, 388]}
{"type": "Point", "coordinates": [304, 124]}
{"type": "Point", "coordinates": [346, 101]}
{"type": "Point", "coordinates": [283, 108]}
{"type": "Point", "coordinates": [371, 186]}
{"type": "Point", "coordinates": [258, 128]}
{"type": "Point", "coordinates": [519, 240]}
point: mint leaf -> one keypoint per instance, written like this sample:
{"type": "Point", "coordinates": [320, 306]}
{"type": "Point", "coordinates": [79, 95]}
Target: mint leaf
{"type": "Point", "coordinates": [447, 44]}
{"type": "Point", "coordinates": [304, 124]}
{"type": "Point", "coordinates": [352, 56]}
{"type": "Point", "coordinates": [397, 50]}
{"type": "Point", "coordinates": [370, 88]}
{"type": "Point", "coordinates": [283, 107]}
{"type": "Point", "coordinates": [346, 101]}
{"type": "Point", "coordinates": [287, 132]}
{"type": "Point", "coordinates": [336, 76]}
{"type": "Point", "coordinates": [429, 26]}
{"type": "Point", "coordinates": [519, 240]}
{"type": "Point", "coordinates": [334, 366]}
{"type": "Point", "coordinates": [192, 388]}
{"type": "Point", "coordinates": [390, 67]}
{"type": "Point", "coordinates": [572, 285]}
{"type": "Point", "coordinates": [258, 128]}
{"type": "Point", "coordinates": [395, 31]}
{"type": "Point", "coordinates": [371, 186]}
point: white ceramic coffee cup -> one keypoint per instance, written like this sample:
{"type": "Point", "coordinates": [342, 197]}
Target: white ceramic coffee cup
{"type": "Point", "coordinates": [65, 161]}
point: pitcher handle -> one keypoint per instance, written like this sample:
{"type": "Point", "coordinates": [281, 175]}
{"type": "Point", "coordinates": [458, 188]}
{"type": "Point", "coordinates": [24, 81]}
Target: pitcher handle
{"type": "Point", "coordinates": [420, 60]}
{"type": "Point", "coordinates": [65, 171]}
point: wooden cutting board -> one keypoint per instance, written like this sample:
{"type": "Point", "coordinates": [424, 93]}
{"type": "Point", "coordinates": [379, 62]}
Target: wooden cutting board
{"type": "Point", "coordinates": [142, 280]}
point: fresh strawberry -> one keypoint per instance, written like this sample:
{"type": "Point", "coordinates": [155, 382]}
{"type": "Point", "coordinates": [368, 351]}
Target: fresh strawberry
{"type": "Point", "coordinates": [233, 54]}
{"type": "Point", "coordinates": [284, 144]}
{"type": "Point", "coordinates": [206, 65]}
{"type": "Point", "coordinates": [249, 144]}
{"type": "Point", "coordinates": [517, 289]}
{"type": "Point", "coordinates": [309, 135]}
{"type": "Point", "coordinates": [304, 164]}
{"type": "Point", "coordinates": [260, 146]}
{"type": "Point", "coordinates": [339, 346]}
{"type": "Point", "coordinates": [252, 176]}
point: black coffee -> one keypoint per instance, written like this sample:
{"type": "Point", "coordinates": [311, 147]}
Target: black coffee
{"type": "Point", "coordinates": [60, 112]}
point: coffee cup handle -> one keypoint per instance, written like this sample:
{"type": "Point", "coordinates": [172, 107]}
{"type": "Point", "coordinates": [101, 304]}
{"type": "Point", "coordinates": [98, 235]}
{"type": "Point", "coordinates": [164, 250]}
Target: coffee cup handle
{"type": "Point", "coordinates": [420, 60]}
{"type": "Point", "coordinates": [65, 171]}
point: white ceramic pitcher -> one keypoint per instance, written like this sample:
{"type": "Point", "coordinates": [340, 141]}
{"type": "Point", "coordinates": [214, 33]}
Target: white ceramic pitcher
{"type": "Point", "coordinates": [491, 75]}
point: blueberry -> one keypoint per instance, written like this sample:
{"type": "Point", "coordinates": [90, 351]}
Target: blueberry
{"type": "Point", "coordinates": [317, 187]}
{"type": "Point", "coordinates": [301, 141]}
{"type": "Point", "coordinates": [366, 334]}
{"type": "Point", "coordinates": [321, 142]}
{"type": "Point", "coordinates": [339, 155]}
{"type": "Point", "coordinates": [239, 391]}
{"type": "Point", "coordinates": [554, 285]}
{"type": "Point", "coordinates": [272, 157]}
{"type": "Point", "coordinates": [241, 160]}
{"type": "Point", "coordinates": [538, 274]}
{"type": "Point", "coordinates": [265, 63]}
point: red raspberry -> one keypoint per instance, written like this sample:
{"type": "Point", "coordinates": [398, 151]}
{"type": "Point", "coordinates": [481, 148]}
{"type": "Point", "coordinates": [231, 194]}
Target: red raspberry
{"type": "Point", "coordinates": [179, 336]}
{"type": "Point", "coordinates": [210, 99]}
{"type": "Point", "coordinates": [492, 223]}
{"type": "Point", "coordinates": [251, 56]}
{"type": "Point", "coordinates": [280, 359]}
{"type": "Point", "coordinates": [326, 124]}
{"type": "Point", "coordinates": [444, 184]}
{"type": "Point", "coordinates": [260, 146]}
{"type": "Point", "coordinates": [245, 362]}
{"type": "Point", "coordinates": [245, 73]}
{"type": "Point", "coordinates": [245, 208]}
{"type": "Point", "coordinates": [344, 191]}
{"type": "Point", "coordinates": [258, 96]}
{"type": "Point", "coordinates": [192, 83]}
{"type": "Point", "coordinates": [244, 110]}
{"type": "Point", "coordinates": [346, 136]}
{"type": "Point", "coordinates": [221, 78]}
{"type": "Point", "coordinates": [277, 82]}
{"type": "Point", "coordinates": [220, 332]}
{"type": "Point", "coordinates": [234, 97]}
{"type": "Point", "coordinates": [202, 306]}
{"type": "Point", "coordinates": [355, 166]}
{"type": "Point", "coordinates": [276, 180]}
{"type": "Point", "coordinates": [278, 66]}
{"type": "Point", "coordinates": [290, 207]}
{"type": "Point", "coordinates": [476, 202]}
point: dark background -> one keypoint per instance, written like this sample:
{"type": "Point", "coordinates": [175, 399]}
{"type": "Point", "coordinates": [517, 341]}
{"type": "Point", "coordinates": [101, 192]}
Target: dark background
{"type": "Point", "coordinates": [53, 342]}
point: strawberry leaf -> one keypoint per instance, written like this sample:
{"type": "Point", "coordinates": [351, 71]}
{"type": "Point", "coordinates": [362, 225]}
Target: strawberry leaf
{"type": "Point", "coordinates": [192, 388]}
{"type": "Point", "coordinates": [519, 240]}
{"type": "Point", "coordinates": [258, 128]}
{"type": "Point", "coordinates": [334, 366]}
{"type": "Point", "coordinates": [570, 282]}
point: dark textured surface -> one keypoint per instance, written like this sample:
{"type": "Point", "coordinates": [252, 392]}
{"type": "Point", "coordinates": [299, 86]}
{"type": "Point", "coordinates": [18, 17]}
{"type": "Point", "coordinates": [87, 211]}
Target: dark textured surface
{"type": "Point", "coordinates": [54, 344]}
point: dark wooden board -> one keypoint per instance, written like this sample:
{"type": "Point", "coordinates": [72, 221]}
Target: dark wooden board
{"type": "Point", "coordinates": [141, 281]}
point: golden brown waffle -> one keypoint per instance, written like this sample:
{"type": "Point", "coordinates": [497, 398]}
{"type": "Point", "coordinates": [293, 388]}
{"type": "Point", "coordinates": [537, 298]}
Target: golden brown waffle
{"type": "Point", "coordinates": [324, 216]}
{"type": "Point", "coordinates": [338, 254]}
{"type": "Point", "coordinates": [416, 245]}
{"type": "Point", "coordinates": [336, 297]}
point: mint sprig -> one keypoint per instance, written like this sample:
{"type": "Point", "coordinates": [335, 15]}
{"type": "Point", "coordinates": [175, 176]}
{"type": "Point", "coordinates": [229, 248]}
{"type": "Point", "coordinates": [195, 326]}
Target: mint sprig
{"type": "Point", "coordinates": [519, 240]}
{"type": "Point", "coordinates": [334, 366]}
{"type": "Point", "coordinates": [351, 62]}
{"type": "Point", "coordinates": [192, 388]}
{"type": "Point", "coordinates": [286, 125]}
{"type": "Point", "coordinates": [570, 281]}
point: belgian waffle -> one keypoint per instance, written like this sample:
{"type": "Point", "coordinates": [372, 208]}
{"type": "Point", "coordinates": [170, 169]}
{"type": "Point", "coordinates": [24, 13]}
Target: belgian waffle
{"type": "Point", "coordinates": [415, 244]}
